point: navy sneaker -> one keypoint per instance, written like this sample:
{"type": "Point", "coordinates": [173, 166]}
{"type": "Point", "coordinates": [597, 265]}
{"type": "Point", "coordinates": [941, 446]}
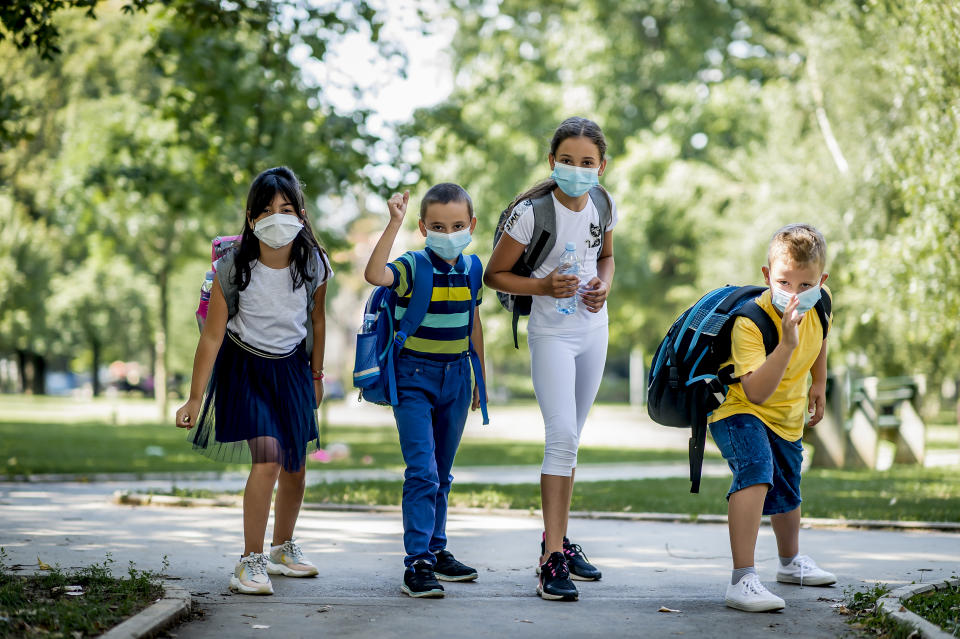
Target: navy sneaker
{"type": "Point", "coordinates": [580, 568]}
{"type": "Point", "coordinates": [555, 581]}
{"type": "Point", "coordinates": [419, 581]}
{"type": "Point", "coordinates": [448, 568]}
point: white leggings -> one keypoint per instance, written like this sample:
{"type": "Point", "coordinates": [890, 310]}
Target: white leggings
{"type": "Point", "coordinates": [566, 373]}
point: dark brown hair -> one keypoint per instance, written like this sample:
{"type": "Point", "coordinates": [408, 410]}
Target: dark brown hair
{"type": "Point", "coordinates": [575, 127]}
{"type": "Point", "coordinates": [444, 193]}
{"type": "Point", "coordinates": [264, 188]}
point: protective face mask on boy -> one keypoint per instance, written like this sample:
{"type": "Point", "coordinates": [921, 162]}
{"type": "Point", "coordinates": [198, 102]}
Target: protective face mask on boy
{"type": "Point", "coordinates": [575, 180]}
{"type": "Point", "coordinates": [805, 300]}
{"type": "Point", "coordinates": [448, 246]}
{"type": "Point", "coordinates": [278, 229]}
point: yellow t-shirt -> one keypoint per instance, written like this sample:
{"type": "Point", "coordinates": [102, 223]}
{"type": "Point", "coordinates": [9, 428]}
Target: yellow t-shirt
{"type": "Point", "coordinates": [783, 412]}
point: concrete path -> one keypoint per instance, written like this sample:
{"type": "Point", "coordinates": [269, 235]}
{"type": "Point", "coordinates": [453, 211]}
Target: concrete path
{"type": "Point", "coordinates": [646, 565]}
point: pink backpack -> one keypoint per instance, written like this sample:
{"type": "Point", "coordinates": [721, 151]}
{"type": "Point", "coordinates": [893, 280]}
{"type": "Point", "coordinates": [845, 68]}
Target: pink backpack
{"type": "Point", "coordinates": [221, 244]}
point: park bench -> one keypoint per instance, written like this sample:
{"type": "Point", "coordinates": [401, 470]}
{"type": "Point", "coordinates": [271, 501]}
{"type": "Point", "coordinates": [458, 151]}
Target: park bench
{"type": "Point", "coordinates": [862, 413]}
{"type": "Point", "coordinates": [886, 409]}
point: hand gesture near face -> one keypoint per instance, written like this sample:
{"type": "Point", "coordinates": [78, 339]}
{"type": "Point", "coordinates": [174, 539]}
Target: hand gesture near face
{"type": "Point", "coordinates": [398, 206]}
{"type": "Point", "coordinates": [790, 322]}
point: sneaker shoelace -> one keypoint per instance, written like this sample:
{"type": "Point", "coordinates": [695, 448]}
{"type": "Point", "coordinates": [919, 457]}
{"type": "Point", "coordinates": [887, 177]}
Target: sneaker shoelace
{"type": "Point", "coordinates": [752, 585]}
{"type": "Point", "coordinates": [293, 551]}
{"type": "Point", "coordinates": [806, 565]}
{"type": "Point", "coordinates": [256, 565]}
{"type": "Point", "coordinates": [573, 551]}
{"type": "Point", "coordinates": [558, 569]}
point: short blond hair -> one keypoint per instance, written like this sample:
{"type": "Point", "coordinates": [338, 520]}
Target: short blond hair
{"type": "Point", "coordinates": [800, 243]}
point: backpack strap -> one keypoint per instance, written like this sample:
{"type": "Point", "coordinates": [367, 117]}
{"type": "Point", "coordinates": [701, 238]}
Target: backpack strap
{"type": "Point", "coordinates": [601, 200]}
{"type": "Point", "coordinates": [476, 281]}
{"type": "Point", "coordinates": [768, 329]}
{"type": "Point", "coordinates": [226, 275]}
{"type": "Point", "coordinates": [824, 308]}
{"type": "Point", "coordinates": [542, 239]}
{"type": "Point", "coordinates": [544, 232]}
{"type": "Point", "coordinates": [421, 292]}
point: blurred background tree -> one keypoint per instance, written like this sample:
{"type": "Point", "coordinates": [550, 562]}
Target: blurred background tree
{"type": "Point", "coordinates": [127, 141]}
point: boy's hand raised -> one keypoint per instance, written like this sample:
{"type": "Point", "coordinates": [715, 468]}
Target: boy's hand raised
{"type": "Point", "coordinates": [398, 206]}
{"type": "Point", "coordinates": [790, 322]}
{"type": "Point", "coordinates": [557, 285]}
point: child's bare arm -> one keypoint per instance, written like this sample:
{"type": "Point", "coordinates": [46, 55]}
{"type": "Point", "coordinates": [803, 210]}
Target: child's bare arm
{"type": "Point", "coordinates": [760, 384]}
{"type": "Point", "coordinates": [498, 275]}
{"type": "Point", "coordinates": [207, 348]}
{"type": "Point", "coordinates": [377, 272]}
{"type": "Point", "coordinates": [818, 389]}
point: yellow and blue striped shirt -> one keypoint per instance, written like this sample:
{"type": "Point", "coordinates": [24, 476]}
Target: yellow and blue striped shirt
{"type": "Point", "coordinates": [443, 335]}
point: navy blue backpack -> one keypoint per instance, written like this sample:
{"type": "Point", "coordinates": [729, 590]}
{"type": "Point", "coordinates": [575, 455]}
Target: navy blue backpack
{"type": "Point", "coordinates": [686, 380]}
{"type": "Point", "coordinates": [374, 370]}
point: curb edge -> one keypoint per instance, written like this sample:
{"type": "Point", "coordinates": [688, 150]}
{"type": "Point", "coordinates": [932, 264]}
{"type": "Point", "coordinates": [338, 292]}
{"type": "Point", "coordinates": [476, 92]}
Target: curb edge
{"type": "Point", "coordinates": [892, 605]}
{"type": "Point", "coordinates": [141, 499]}
{"type": "Point", "coordinates": [171, 607]}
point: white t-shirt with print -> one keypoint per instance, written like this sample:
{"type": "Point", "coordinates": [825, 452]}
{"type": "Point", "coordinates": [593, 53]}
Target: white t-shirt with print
{"type": "Point", "coordinates": [271, 315]}
{"type": "Point", "coordinates": [581, 228]}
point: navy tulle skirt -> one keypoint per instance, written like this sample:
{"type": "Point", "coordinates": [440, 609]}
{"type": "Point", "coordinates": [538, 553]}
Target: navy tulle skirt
{"type": "Point", "coordinates": [259, 407]}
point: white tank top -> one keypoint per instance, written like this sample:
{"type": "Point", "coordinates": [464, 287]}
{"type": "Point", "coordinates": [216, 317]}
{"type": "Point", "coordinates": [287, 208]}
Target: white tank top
{"type": "Point", "coordinates": [271, 315]}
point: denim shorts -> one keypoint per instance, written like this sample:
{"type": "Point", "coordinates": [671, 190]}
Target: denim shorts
{"type": "Point", "coordinates": [757, 455]}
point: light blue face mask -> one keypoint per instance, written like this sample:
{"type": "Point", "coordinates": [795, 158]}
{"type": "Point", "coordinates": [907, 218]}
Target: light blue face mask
{"type": "Point", "coordinates": [575, 180]}
{"type": "Point", "coordinates": [805, 301]}
{"type": "Point", "coordinates": [448, 246]}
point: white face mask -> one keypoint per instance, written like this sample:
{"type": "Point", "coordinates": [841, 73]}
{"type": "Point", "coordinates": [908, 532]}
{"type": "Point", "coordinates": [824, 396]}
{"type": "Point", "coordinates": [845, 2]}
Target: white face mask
{"type": "Point", "coordinates": [805, 300]}
{"type": "Point", "coordinates": [277, 230]}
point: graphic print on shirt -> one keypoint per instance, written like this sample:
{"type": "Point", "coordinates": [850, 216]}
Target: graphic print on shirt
{"type": "Point", "coordinates": [594, 240]}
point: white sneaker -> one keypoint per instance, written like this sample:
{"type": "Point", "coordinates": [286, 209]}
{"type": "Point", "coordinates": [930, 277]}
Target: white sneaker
{"type": "Point", "coordinates": [250, 576]}
{"type": "Point", "coordinates": [804, 571]}
{"type": "Point", "coordinates": [751, 595]}
{"type": "Point", "coordinates": [287, 559]}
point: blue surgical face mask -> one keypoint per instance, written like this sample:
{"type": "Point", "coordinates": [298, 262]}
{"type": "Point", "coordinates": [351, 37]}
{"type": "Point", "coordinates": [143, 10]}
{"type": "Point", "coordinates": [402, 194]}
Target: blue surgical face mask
{"type": "Point", "coordinates": [448, 246]}
{"type": "Point", "coordinates": [575, 180]}
{"type": "Point", "coordinates": [805, 300]}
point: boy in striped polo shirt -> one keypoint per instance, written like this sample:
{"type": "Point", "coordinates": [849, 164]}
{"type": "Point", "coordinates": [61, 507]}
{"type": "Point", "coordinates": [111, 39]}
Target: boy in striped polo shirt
{"type": "Point", "coordinates": [433, 377]}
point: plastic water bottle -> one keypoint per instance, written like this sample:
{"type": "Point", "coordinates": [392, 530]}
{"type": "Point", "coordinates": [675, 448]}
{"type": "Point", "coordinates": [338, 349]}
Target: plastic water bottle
{"type": "Point", "coordinates": [569, 265]}
{"type": "Point", "coordinates": [368, 323]}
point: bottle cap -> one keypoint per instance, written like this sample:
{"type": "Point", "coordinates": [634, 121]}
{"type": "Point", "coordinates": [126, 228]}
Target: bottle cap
{"type": "Point", "coordinates": [571, 246]}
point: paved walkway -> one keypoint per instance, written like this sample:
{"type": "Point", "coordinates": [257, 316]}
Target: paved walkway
{"type": "Point", "coordinates": [646, 565]}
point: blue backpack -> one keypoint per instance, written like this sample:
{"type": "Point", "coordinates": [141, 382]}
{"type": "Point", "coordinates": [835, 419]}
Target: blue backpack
{"type": "Point", "coordinates": [686, 380]}
{"type": "Point", "coordinates": [374, 370]}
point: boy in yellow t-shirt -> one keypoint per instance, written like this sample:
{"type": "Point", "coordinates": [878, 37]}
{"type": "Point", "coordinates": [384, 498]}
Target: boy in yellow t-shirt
{"type": "Point", "coordinates": [759, 425]}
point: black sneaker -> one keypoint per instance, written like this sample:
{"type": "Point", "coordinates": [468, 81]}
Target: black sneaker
{"type": "Point", "coordinates": [580, 568]}
{"type": "Point", "coordinates": [419, 581]}
{"type": "Point", "coordinates": [448, 568]}
{"type": "Point", "coordinates": [555, 581]}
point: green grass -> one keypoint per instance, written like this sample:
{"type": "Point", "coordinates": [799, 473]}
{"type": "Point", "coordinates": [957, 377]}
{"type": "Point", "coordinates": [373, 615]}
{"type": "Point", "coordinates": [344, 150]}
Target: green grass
{"type": "Point", "coordinates": [39, 606]}
{"type": "Point", "coordinates": [94, 447]}
{"type": "Point", "coordinates": [905, 493]}
{"type": "Point", "coordinates": [941, 607]}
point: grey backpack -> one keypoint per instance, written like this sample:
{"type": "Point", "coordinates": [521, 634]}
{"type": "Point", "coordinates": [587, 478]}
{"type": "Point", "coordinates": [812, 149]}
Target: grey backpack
{"type": "Point", "coordinates": [541, 243]}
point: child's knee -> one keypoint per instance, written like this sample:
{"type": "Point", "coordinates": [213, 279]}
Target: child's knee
{"type": "Point", "coordinates": [266, 470]}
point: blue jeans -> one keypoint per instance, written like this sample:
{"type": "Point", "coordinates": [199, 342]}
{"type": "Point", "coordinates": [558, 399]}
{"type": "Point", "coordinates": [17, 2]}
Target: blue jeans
{"type": "Point", "coordinates": [434, 399]}
{"type": "Point", "coordinates": [757, 455]}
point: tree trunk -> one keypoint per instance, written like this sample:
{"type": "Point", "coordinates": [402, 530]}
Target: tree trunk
{"type": "Point", "coordinates": [39, 382]}
{"type": "Point", "coordinates": [160, 346]}
{"type": "Point", "coordinates": [95, 370]}
{"type": "Point", "coordinates": [22, 366]}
